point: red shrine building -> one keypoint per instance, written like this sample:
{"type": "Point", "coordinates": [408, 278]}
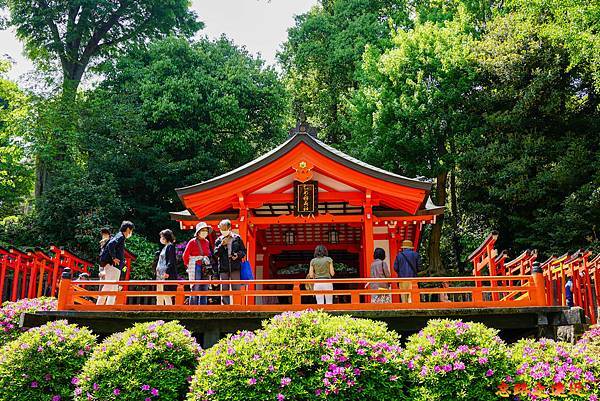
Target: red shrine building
{"type": "Point", "coordinates": [305, 193]}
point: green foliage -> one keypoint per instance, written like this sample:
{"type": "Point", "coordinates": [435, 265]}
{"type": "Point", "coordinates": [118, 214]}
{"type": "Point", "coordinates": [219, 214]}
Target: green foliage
{"type": "Point", "coordinates": [323, 55]}
{"type": "Point", "coordinates": [144, 250]}
{"type": "Point", "coordinates": [42, 364]}
{"type": "Point", "coordinates": [533, 174]}
{"type": "Point", "coordinates": [304, 356]}
{"type": "Point", "coordinates": [10, 315]}
{"type": "Point", "coordinates": [15, 169]}
{"type": "Point", "coordinates": [177, 114]}
{"type": "Point", "coordinates": [450, 359]}
{"type": "Point", "coordinates": [149, 360]}
{"type": "Point", "coordinates": [73, 34]}
{"type": "Point", "coordinates": [546, 369]}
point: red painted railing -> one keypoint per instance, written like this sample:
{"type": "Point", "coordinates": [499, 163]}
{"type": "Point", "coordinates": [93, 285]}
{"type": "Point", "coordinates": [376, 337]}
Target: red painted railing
{"type": "Point", "coordinates": [35, 272]}
{"type": "Point", "coordinates": [350, 294]}
{"type": "Point", "coordinates": [580, 267]}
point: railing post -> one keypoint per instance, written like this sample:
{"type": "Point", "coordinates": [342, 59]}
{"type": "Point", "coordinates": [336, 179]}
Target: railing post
{"type": "Point", "coordinates": [538, 280]}
{"type": "Point", "coordinates": [296, 298]}
{"type": "Point", "coordinates": [64, 290]}
{"type": "Point", "coordinates": [180, 296]}
{"type": "Point", "coordinates": [121, 298]}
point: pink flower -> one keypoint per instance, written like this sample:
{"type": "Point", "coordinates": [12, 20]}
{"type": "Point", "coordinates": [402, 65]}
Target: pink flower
{"type": "Point", "coordinates": [145, 387]}
{"type": "Point", "coordinates": [75, 381]}
{"type": "Point", "coordinates": [280, 397]}
{"type": "Point", "coordinates": [34, 384]}
{"type": "Point", "coordinates": [154, 392]}
{"type": "Point", "coordinates": [489, 373]}
{"type": "Point", "coordinates": [116, 391]}
{"type": "Point", "coordinates": [285, 381]}
{"type": "Point", "coordinates": [252, 381]}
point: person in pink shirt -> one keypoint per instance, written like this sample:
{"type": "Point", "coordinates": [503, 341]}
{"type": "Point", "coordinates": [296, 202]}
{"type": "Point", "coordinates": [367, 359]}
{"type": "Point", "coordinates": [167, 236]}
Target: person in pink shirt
{"type": "Point", "coordinates": [197, 257]}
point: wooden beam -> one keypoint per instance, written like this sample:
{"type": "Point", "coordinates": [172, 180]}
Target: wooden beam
{"type": "Point", "coordinates": [291, 219]}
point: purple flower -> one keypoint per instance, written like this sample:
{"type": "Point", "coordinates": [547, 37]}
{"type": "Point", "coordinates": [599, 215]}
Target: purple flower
{"type": "Point", "coordinates": [252, 381]}
{"type": "Point", "coordinates": [34, 384]}
{"type": "Point", "coordinates": [75, 381]}
{"type": "Point", "coordinates": [489, 373]}
{"type": "Point", "coordinates": [280, 397]}
{"type": "Point", "coordinates": [169, 344]}
{"type": "Point", "coordinates": [285, 381]}
{"type": "Point", "coordinates": [145, 387]}
{"type": "Point", "coordinates": [154, 392]}
{"type": "Point", "coordinates": [56, 398]}
{"type": "Point", "coordinates": [459, 366]}
{"type": "Point", "coordinates": [116, 391]}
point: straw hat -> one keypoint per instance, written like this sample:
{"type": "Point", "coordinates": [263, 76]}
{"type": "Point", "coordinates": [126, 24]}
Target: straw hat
{"type": "Point", "coordinates": [200, 226]}
{"type": "Point", "coordinates": [407, 244]}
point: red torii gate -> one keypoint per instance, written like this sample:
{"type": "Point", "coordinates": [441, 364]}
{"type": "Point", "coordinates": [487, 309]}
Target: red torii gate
{"type": "Point", "coordinates": [36, 273]}
{"type": "Point", "coordinates": [580, 267]}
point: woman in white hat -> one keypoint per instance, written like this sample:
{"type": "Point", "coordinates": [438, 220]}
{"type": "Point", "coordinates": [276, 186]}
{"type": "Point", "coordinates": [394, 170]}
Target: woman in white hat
{"type": "Point", "coordinates": [196, 257]}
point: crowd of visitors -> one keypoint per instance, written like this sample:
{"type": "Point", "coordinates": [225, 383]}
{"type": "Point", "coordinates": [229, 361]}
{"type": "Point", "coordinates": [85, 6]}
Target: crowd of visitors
{"type": "Point", "coordinates": [221, 260]}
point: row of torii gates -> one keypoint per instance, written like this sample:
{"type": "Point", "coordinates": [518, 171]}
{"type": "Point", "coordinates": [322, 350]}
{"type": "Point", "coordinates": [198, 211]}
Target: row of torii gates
{"type": "Point", "coordinates": [34, 273]}
{"type": "Point", "coordinates": [582, 267]}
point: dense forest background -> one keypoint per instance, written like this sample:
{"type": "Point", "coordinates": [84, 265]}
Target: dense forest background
{"type": "Point", "coordinates": [499, 101]}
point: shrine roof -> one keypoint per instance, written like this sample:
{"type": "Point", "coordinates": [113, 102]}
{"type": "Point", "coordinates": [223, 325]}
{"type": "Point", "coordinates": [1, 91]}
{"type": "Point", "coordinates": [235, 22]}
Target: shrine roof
{"type": "Point", "coordinates": [320, 147]}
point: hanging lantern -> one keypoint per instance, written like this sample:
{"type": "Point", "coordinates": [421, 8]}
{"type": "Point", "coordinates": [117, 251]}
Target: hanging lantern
{"type": "Point", "coordinates": [334, 237]}
{"type": "Point", "coordinates": [290, 238]}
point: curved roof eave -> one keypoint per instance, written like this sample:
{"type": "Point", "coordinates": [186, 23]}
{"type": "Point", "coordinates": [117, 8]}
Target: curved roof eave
{"type": "Point", "coordinates": [315, 144]}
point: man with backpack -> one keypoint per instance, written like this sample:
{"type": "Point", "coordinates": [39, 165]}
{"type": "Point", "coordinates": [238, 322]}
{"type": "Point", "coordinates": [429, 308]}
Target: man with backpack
{"type": "Point", "coordinates": [112, 259]}
{"type": "Point", "coordinates": [407, 265]}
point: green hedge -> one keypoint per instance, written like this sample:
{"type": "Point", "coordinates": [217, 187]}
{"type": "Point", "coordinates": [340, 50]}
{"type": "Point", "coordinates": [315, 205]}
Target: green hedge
{"type": "Point", "coordinates": [149, 361]}
{"type": "Point", "coordinates": [43, 363]}
{"type": "Point", "coordinates": [451, 359]}
{"type": "Point", "coordinates": [10, 313]}
{"type": "Point", "coordinates": [304, 356]}
{"type": "Point", "coordinates": [546, 369]}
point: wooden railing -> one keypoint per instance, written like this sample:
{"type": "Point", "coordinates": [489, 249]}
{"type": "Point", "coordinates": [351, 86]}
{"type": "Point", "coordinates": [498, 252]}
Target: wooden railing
{"type": "Point", "coordinates": [350, 294]}
{"type": "Point", "coordinates": [34, 272]}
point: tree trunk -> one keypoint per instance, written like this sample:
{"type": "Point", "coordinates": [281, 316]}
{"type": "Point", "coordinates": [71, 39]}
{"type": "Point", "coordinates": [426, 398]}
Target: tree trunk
{"type": "Point", "coordinates": [72, 75]}
{"type": "Point", "coordinates": [436, 267]}
{"type": "Point", "coordinates": [41, 177]}
{"type": "Point", "coordinates": [456, 249]}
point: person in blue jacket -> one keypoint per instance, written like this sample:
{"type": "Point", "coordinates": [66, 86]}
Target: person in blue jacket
{"type": "Point", "coordinates": [113, 261]}
{"type": "Point", "coordinates": [407, 264]}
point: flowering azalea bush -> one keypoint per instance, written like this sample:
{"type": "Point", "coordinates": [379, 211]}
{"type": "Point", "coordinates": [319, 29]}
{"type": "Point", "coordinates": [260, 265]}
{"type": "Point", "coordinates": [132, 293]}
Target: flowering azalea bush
{"type": "Point", "coordinates": [150, 361]}
{"type": "Point", "coordinates": [304, 356]}
{"type": "Point", "coordinates": [43, 363]}
{"type": "Point", "coordinates": [549, 370]}
{"type": "Point", "coordinates": [591, 341]}
{"type": "Point", "coordinates": [10, 313]}
{"type": "Point", "coordinates": [453, 360]}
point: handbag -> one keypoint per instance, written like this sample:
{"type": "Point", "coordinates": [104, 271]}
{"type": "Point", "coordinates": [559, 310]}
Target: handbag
{"type": "Point", "coordinates": [246, 271]}
{"type": "Point", "coordinates": [309, 286]}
